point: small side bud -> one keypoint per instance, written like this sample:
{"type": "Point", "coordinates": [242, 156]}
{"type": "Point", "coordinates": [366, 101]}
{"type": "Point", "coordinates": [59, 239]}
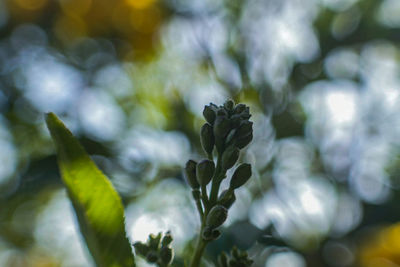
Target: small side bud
{"type": "Point", "coordinates": [207, 138]}
{"type": "Point", "coordinates": [190, 173]}
{"type": "Point", "coordinates": [227, 198]}
{"type": "Point", "coordinates": [209, 113]}
{"type": "Point", "coordinates": [154, 241]}
{"type": "Point", "coordinates": [221, 127]}
{"type": "Point", "coordinates": [215, 234]}
{"type": "Point", "coordinates": [205, 171]}
{"type": "Point", "coordinates": [166, 255]}
{"type": "Point", "coordinates": [207, 233]}
{"type": "Point", "coordinates": [217, 216]}
{"type": "Point", "coordinates": [167, 239]}
{"type": "Point", "coordinates": [229, 157]}
{"type": "Point", "coordinates": [241, 175]}
{"type": "Point", "coordinates": [223, 259]}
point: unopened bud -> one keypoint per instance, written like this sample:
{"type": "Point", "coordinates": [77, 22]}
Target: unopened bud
{"type": "Point", "coordinates": [223, 259]}
{"type": "Point", "coordinates": [207, 233]}
{"type": "Point", "coordinates": [245, 114]}
{"type": "Point", "coordinates": [239, 108]}
{"type": "Point", "coordinates": [209, 113]}
{"type": "Point", "coordinates": [236, 120]}
{"type": "Point", "coordinates": [245, 128]}
{"type": "Point", "coordinates": [217, 216]}
{"type": "Point", "coordinates": [190, 173]}
{"type": "Point", "coordinates": [207, 138]}
{"type": "Point", "coordinates": [244, 141]}
{"type": "Point", "coordinates": [166, 255]}
{"type": "Point", "coordinates": [227, 198]}
{"type": "Point", "coordinates": [167, 239]}
{"type": "Point", "coordinates": [229, 104]}
{"type": "Point", "coordinates": [215, 234]}
{"type": "Point", "coordinates": [221, 127]}
{"type": "Point", "coordinates": [241, 175]}
{"type": "Point", "coordinates": [229, 157]}
{"type": "Point", "coordinates": [154, 241]}
{"type": "Point", "coordinates": [205, 171]}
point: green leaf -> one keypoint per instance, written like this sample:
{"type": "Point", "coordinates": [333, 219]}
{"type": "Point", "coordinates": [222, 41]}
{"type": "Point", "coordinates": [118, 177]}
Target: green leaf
{"type": "Point", "coordinates": [97, 205]}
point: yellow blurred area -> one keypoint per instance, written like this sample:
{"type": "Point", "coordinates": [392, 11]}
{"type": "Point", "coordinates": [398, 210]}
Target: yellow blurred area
{"type": "Point", "coordinates": [75, 7]}
{"type": "Point", "coordinates": [68, 29]}
{"type": "Point", "coordinates": [134, 21]}
{"type": "Point", "coordinates": [145, 21]}
{"type": "Point", "coordinates": [140, 4]}
{"type": "Point", "coordinates": [383, 250]}
{"type": "Point", "coordinates": [31, 4]}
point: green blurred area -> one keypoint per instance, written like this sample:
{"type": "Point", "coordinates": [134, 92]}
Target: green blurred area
{"type": "Point", "coordinates": [130, 78]}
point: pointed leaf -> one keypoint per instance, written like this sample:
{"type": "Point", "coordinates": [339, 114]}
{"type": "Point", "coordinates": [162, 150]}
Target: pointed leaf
{"type": "Point", "coordinates": [97, 205]}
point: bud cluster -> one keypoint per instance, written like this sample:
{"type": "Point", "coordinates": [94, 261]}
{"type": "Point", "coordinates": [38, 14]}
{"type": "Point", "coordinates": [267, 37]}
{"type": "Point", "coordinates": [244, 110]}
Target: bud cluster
{"type": "Point", "coordinates": [227, 125]}
{"type": "Point", "coordinates": [238, 259]}
{"type": "Point", "coordinates": [157, 249]}
{"type": "Point", "coordinates": [228, 129]}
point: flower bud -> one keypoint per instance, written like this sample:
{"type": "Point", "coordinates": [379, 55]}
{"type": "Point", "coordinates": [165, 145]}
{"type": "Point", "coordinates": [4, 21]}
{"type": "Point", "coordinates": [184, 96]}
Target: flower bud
{"type": "Point", "coordinates": [167, 239]}
{"type": "Point", "coordinates": [227, 198]}
{"type": "Point", "coordinates": [215, 234]}
{"type": "Point", "coordinates": [241, 175]}
{"type": "Point", "coordinates": [221, 127]}
{"type": "Point", "coordinates": [154, 241]}
{"type": "Point", "coordinates": [141, 249]}
{"type": "Point", "coordinates": [239, 108]}
{"type": "Point", "coordinates": [217, 216]}
{"type": "Point", "coordinates": [166, 255]}
{"type": "Point", "coordinates": [207, 138]}
{"type": "Point", "coordinates": [207, 233]}
{"type": "Point", "coordinates": [229, 157]}
{"type": "Point", "coordinates": [223, 259]}
{"type": "Point", "coordinates": [209, 113]}
{"type": "Point", "coordinates": [245, 114]}
{"type": "Point", "coordinates": [190, 173]}
{"type": "Point", "coordinates": [236, 120]}
{"type": "Point", "coordinates": [229, 104]}
{"type": "Point", "coordinates": [244, 141]}
{"type": "Point", "coordinates": [205, 171]}
{"type": "Point", "coordinates": [245, 128]}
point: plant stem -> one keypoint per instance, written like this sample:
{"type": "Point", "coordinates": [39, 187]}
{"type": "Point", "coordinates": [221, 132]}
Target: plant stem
{"type": "Point", "coordinates": [216, 181]}
{"type": "Point", "coordinates": [199, 208]}
{"type": "Point", "coordinates": [204, 196]}
{"type": "Point", "coordinates": [201, 244]}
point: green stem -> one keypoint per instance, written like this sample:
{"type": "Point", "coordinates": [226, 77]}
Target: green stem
{"type": "Point", "coordinates": [204, 197]}
{"type": "Point", "coordinates": [201, 245]}
{"type": "Point", "coordinates": [216, 182]}
{"type": "Point", "coordinates": [199, 208]}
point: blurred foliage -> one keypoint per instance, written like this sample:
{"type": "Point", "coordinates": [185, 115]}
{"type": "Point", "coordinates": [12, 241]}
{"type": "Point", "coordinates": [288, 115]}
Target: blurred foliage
{"type": "Point", "coordinates": [130, 79]}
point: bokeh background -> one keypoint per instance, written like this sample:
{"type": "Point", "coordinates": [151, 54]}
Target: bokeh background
{"type": "Point", "coordinates": [130, 78]}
